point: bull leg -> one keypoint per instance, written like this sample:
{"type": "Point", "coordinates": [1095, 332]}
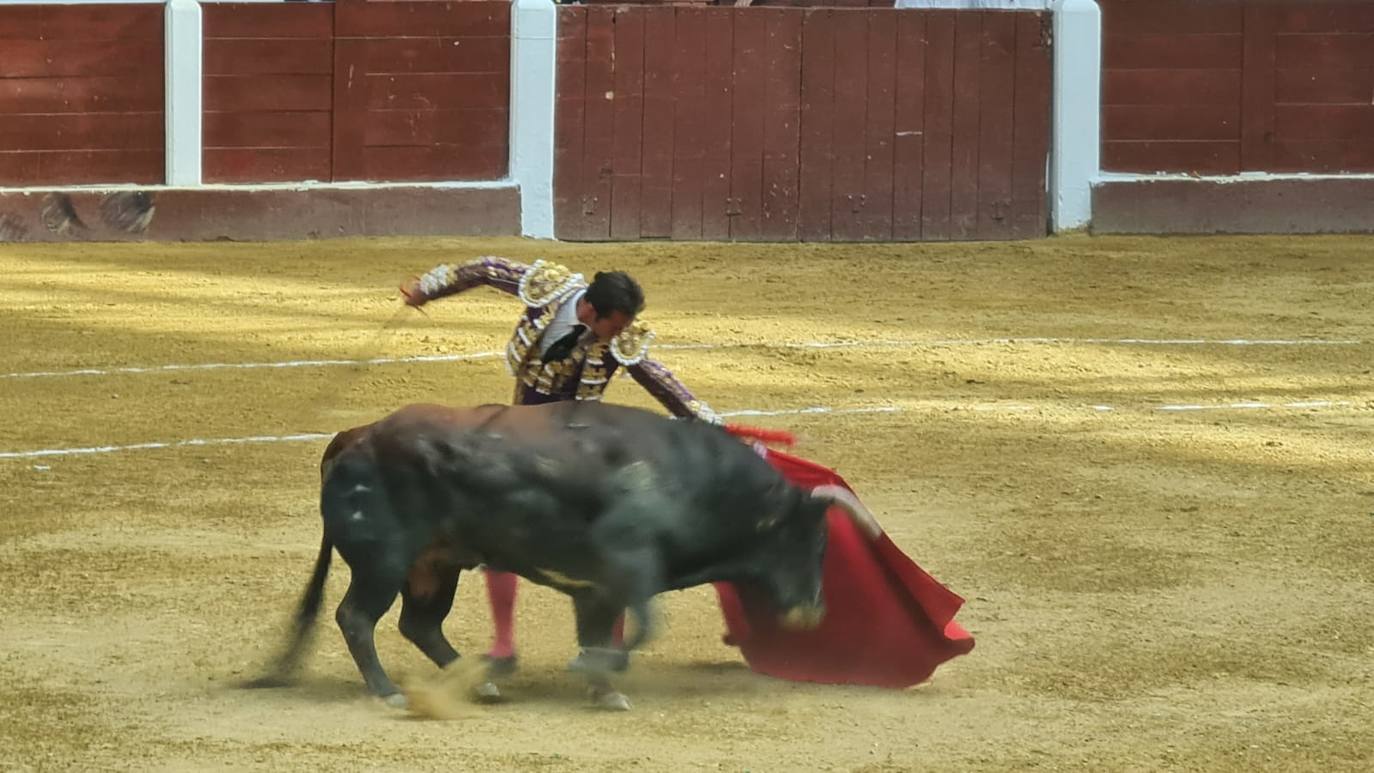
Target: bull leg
{"type": "Point", "coordinates": [596, 619]}
{"type": "Point", "coordinates": [367, 599]}
{"type": "Point", "coordinates": [599, 637]}
{"type": "Point", "coordinates": [639, 579]}
{"type": "Point", "coordinates": [423, 610]}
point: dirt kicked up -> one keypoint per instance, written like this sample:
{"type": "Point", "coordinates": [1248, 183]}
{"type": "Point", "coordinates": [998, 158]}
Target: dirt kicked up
{"type": "Point", "coordinates": [1146, 463]}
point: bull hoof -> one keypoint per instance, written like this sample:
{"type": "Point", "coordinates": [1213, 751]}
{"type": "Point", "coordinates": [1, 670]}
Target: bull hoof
{"type": "Point", "coordinates": [395, 700]}
{"type": "Point", "coordinates": [501, 666]}
{"type": "Point", "coordinates": [611, 700]}
{"type": "Point", "coordinates": [598, 661]}
{"type": "Point", "coordinates": [488, 692]}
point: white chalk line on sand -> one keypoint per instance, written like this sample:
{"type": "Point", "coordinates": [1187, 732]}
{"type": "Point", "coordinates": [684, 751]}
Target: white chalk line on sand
{"type": "Point", "coordinates": [744, 413]}
{"type": "Point", "coordinates": [168, 444]}
{"type": "Point", "coordinates": [1296, 405]}
{"type": "Point", "coordinates": [870, 344]}
{"type": "Point", "coordinates": [313, 436]}
{"type": "Point", "coordinates": [1031, 340]}
{"type": "Point", "coordinates": [138, 370]}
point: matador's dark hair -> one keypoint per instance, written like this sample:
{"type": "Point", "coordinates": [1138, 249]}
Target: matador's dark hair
{"type": "Point", "coordinates": [612, 291]}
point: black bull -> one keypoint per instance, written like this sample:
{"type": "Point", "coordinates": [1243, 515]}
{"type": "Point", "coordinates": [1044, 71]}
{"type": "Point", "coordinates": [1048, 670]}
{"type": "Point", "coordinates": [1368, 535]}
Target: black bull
{"type": "Point", "coordinates": [608, 504]}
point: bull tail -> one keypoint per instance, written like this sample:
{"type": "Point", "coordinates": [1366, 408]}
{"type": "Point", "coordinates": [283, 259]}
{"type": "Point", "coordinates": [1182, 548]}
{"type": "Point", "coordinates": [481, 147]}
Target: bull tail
{"type": "Point", "coordinates": [287, 664]}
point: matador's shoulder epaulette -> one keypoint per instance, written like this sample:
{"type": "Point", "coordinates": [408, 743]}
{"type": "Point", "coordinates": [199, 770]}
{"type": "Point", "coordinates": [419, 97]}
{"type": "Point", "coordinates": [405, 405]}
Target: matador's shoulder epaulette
{"type": "Point", "coordinates": [631, 346]}
{"type": "Point", "coordinates": [546, 282]}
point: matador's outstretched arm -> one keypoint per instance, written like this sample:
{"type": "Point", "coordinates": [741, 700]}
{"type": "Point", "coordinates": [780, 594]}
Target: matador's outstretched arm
{"type": "Point", "coordinates": [451, 279]}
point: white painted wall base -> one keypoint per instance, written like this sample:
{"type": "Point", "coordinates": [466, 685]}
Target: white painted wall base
{"type": "Point", "coordinates": [1222, 179]}
{"type": "Point", "coordinates": [534, 54]}
{"type": "Point", "coordinates": [1076, 134]}
{"type": "Point", "coordinates": [182, 51]}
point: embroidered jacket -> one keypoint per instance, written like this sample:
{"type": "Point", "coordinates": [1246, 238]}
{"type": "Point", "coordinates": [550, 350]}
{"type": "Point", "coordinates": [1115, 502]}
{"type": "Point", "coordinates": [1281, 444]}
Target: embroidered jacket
{"type": "Point", "coordinates": [584, 374]}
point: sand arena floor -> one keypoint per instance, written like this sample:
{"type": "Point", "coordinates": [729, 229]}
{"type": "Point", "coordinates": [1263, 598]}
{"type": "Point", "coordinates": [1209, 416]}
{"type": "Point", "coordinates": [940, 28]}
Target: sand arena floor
{"type": "Point", "coordinates": [1146, 463]}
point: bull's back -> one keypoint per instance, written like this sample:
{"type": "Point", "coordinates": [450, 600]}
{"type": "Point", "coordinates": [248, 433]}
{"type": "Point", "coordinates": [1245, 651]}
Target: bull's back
{"type": "Point", "coordinates": [586, 440]}
{"type": "Point", "coordinates": [527, 423]}
{"type": "Point", "coordinates": [407, 420]}
{"type": "Point", "coordinates": [338, 444]}
{"type": "Point", "coordinates": [434, 416]}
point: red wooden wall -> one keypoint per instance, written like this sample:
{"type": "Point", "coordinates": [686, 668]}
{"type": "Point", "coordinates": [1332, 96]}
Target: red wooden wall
{"type": "Point", "coordinates": [800, 124]}
{"type": "Point", "coordinates": [1321, 67]}
{"type": "Point", "coordinates": [268, 92]}
{"type": "Point", "coordinates": [421, 90]}
{"type": "Point", "coordinates": [1220, 88]}
{"type": "Point", "coordinates": [81, 94]}
{"type": "Point", "coordinates": [357, 90]}
{"type": "Point", "coordinates": [351, 90]}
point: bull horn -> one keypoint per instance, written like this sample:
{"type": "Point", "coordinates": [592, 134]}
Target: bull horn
{"type": "Point", "coordinates": [861, 516]}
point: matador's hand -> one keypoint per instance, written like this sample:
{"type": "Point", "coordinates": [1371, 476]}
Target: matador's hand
{"type": "Point", "coordinates": [419, 290]}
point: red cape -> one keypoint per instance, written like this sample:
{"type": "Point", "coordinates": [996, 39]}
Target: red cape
{"type": "Point", "coordinates": [887, 622]}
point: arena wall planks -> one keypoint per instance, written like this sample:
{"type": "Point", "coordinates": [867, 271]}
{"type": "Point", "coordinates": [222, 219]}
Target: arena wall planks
{"type": "Point", "coordinates": [782, 128]}
{"type": "Point", "coordinates": [627, 99]}
{"type": "Point", "coordinates": [656, 167]}
{"type": "Point", "coordinates": [81, 94]}
{"type": "Point", "coordinates": [817, 130]}
{"type": "Point", "coordinates": [410, 91]}
{"type": "Point", "coordinates": [598, 146]}
{"type": "Point", "coordinates": [996, 126]}
{"type": "Point", "coordinates": [939, 127]}
{"type": "Point", "coordinates": [909, 128]}
{"type": "Point", "coordinates": [1276, 86]}
{"type": "Point", "coordinates": [1033, 91]}
{"type": "Point", "coordinates": [749, 110]}
{"type": "Point", "coordinates": [691, 123]}
{"type": "Point", "coordinates": [570, 128]}
{"type": "Point", "coordinates": [714, 173]}
{"type": "Point", "coordinates": [779, 134]}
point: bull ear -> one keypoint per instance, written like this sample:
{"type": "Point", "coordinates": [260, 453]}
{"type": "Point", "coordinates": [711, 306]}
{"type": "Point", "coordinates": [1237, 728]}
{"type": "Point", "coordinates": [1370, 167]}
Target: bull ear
{"type": "Point", "coordinates": [861, 516]}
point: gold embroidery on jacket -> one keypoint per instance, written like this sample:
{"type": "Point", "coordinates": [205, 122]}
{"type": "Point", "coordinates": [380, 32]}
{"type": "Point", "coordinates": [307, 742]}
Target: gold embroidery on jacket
{"type": "Point", "coordinates": [592, 383]}
{"type": "Point", "coordinates": [545, 282]}
{"type": "Point", "coordinates": [632, 345]}
{"type": "Point", "coordinates": [546, 287]}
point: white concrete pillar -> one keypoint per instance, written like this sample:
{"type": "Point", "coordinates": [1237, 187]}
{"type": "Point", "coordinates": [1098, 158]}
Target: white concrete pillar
{"type": "Point", "coordinates": [183, 71]}
{"type": "Point", "coordinates": [534, 53]}
{"type": "Point", "coordinates": [1077, 131]}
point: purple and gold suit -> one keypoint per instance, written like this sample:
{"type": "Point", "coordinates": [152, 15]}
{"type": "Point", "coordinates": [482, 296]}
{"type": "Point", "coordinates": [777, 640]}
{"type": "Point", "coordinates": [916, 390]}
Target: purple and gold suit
{"type": "Point", "coordinates": [584, 374]}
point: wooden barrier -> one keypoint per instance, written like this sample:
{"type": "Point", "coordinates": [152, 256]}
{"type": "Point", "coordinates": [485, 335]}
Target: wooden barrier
{"type": "Point", "coordinates": [801, 124]}
{"type": "Point", "coordinates": [421, 90]}
{"type": "Point", "coordinates": [81, 94]}
{"type": "Point", "coordinates": [351, 90]}
{"type": "Point", "coordinates": [1227, 87]}
{"type": "Point", "coordinates": [357, 90]}
{"type": "Point", "coordinates": [268, 92]}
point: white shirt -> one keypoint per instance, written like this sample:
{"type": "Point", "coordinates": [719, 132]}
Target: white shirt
{"type": "Point", "coordinates": [562, 323]}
